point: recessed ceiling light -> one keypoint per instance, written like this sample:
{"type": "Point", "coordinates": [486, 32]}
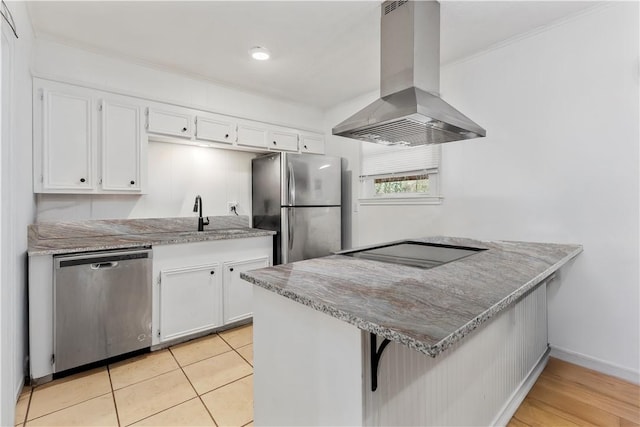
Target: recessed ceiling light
{"type": "Point", "coordinates": [259, 53]}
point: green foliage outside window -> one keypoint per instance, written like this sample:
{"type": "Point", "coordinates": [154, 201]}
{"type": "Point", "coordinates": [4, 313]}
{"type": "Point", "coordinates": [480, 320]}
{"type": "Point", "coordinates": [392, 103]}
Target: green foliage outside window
{"type": "Point", "coordinates": [402, 184]}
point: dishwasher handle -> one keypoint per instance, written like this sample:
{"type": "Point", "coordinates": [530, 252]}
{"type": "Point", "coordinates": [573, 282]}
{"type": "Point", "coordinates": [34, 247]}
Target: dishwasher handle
{"type": "Point", "coordinates": [101, 260]}
{"type": "Point", "coordinates": [104, 265]}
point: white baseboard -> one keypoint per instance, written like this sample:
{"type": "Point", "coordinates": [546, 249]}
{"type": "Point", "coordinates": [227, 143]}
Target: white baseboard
{"type": "Point", "coordinates": [596, 364]}
{"type": "Point", "coordinates": [521, 392]}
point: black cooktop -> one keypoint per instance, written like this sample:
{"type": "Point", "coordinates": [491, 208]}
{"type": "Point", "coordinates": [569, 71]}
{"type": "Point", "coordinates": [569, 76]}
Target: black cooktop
{"type": "Point", "coordinates": [416, 254]}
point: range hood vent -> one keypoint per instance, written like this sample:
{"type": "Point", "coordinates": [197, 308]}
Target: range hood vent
{"type": "Point", "coordinates": [409, 111]}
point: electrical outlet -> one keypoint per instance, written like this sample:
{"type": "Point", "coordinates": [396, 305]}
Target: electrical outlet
{"type": "Point", "coordinates": [232, 208]}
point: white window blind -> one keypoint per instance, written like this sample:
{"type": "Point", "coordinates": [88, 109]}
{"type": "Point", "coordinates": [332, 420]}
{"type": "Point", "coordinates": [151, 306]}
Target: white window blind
{"type": "Point", "coordinates": [378, 159]}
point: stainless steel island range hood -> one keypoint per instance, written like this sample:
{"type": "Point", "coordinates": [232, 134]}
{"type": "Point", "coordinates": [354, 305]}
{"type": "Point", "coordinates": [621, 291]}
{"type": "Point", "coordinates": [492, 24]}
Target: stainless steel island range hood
{"type": "Point", "coordinates": [409, 111]}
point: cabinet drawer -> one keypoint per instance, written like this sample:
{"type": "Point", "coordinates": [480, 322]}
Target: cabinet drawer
{"type": "Point", "coordinates": [215, 130]}
{"type": "Point", "coordinates": [169, 123]}
{"type": "Point", "coordinates": [313, 144]}
{"type": "Point", "coordinates": [283, 141]}
{"type": "Point", "coordinates": [252, 136]}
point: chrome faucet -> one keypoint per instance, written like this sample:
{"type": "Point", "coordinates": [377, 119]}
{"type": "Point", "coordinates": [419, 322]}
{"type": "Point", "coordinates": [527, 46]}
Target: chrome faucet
{"type": "Point", "coordinates": [201, 221]}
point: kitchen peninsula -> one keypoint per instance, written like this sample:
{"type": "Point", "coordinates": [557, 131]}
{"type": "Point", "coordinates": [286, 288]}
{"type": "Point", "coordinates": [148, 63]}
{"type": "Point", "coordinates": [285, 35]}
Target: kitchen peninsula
{"type": "Point", "coordinates": [465, 339]}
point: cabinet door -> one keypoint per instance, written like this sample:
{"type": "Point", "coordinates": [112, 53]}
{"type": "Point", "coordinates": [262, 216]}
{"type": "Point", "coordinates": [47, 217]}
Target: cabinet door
{"type": "Point", "coordinates": [169, 123]}
{"type": "Point", "coordinates": [251, 135]}
{"type": "Point", "coordinates": [68, 141]}
{"type": "Point", "coordinates": [238, 293]}
{"type": "Point", "coordinates": [121, 142]}
{"type": "Point", "coordinates": [215, 129]}
{"type": "Point", "coordinates": [190, 300]}
{"type": "Point", "coordinates": [313, 144]}
{"type": "Point", "coordinates": [283, 141]}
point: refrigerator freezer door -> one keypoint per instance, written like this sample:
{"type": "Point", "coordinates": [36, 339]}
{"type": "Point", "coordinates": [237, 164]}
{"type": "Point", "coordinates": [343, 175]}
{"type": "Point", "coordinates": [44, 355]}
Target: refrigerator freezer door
{"type": "Point", "coordinates": [309, 232]}
{"type": "Point", "coordinates": [311, 180]}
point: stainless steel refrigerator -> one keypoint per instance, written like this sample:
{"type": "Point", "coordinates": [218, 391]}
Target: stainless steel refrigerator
{"type": "Point", "coordinates": [299, 196]}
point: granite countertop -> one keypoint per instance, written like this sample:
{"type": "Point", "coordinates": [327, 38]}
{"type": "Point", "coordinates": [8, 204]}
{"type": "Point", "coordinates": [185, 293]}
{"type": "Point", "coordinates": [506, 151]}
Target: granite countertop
{"type": "Point", "coordinates": [61, 237]}
{"type": "Point", "coordinates": [426, 309]}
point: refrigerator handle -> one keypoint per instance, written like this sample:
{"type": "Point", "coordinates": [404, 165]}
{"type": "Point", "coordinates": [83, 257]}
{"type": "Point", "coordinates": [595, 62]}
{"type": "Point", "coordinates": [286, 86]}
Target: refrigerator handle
{"type": "Point", "coordinates": [291, 214]}
{"type": "Point", "coordinates": [292, 185]}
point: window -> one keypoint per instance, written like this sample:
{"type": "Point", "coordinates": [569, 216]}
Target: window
{"type": "Point", "coordinates": [399, 174]}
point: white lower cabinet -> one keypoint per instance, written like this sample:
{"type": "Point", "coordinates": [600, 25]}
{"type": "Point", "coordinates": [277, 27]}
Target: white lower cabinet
{"type": "Point", "coordinates": [197, 286]}
{"type": "Point", "coordinates": [238, 294]}
{"type": "Point", "coordinates": [189, 300]}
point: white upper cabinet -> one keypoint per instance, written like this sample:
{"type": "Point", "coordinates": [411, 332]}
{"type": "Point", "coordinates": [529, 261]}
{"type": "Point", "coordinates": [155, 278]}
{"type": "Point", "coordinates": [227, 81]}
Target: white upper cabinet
{"type": "Point", "coordinates": [68, 139]}
{"type": "Point", "coordinates": [121, 140]}
{"type": "Point", "coordinates": [252, 134]}
{"type": "Point", "coordinates": [172, 123]}
{"type": "Point", "coordinates": [312, 143]}
{"type": "Point", "coordinates": [283, 140]}
{"type": "Point", "coordinates": [215, 128]}
{"type": "Point", "coordinates": [86, 141]}
{"type": "Point", "coordinates": [89, 141]}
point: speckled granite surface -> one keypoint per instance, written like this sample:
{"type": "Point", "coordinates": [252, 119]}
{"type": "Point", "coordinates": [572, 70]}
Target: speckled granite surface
{"type": "Point", "coordinates": [425, 309]}
{"type": "Point", "coordinates": [50, 238]}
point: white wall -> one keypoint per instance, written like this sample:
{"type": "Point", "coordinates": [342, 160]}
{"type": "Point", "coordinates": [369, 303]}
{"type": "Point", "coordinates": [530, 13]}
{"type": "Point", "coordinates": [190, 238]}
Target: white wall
{"type": "Point", "coordinates": [559, 164]}
{"type": "Point", "coordinates": [177, 173]}
{"type": "Point", "coordinates": [17, 207]}
{"type": "Point", "coordinates": [349, 150]}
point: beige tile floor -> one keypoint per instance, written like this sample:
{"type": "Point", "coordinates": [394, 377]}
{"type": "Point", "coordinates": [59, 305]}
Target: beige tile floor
{"type": "Point", "coordinates": [205, 382]}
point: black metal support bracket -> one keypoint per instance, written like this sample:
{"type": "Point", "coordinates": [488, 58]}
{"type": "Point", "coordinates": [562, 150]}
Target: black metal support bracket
{"type": "Point", "coordinates": [376, 354]}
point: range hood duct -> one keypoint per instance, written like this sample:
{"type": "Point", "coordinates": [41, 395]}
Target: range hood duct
{"type": "Point", "coordinates": [409, 111]}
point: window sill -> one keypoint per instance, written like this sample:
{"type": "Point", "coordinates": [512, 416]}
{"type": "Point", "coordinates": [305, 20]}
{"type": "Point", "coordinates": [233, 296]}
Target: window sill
{"type": "Point", "coordinates": [429, 200]}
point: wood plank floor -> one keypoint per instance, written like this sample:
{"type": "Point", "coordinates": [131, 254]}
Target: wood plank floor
{"type": "Point", "coordinates": [570, 395]}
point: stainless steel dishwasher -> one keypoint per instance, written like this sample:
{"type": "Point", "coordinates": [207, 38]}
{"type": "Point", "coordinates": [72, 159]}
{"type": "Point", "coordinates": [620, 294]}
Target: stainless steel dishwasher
{"type": "Point", "coordinates": [102, 305]}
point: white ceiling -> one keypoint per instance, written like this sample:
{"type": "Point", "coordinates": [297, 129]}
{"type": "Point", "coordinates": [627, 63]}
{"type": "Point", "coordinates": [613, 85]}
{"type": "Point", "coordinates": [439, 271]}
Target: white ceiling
{"type": "Point", "coordinates": [323, 52]}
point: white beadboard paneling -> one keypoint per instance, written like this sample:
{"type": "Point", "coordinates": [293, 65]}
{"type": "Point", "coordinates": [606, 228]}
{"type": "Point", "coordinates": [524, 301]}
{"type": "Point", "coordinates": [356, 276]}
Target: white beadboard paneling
{"type": "Point", "coordinates": [471, 383]}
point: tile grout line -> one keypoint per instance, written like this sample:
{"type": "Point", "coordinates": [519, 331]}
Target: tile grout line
{"type": "Point", "coordinates": [168, 349]}
{"type": "Point", "coordinates": [194, 388]}
{"type": "Point", "coordinates": [113, 396]}
{"type": "Point", "coordinates": [180, 367]}
{"type": "Point", "coordinates": [51, 383]}
{"type": "Point", "coordinates": [156, 376]}
{"type": "Point", "coordinates": [149, 378]}
{"type": "Point", "coordinates": [243, 358]}
{"type": "Point", "coordinates": [26, 413]}
{"type": "Point", "coordinates": [112, 390]}
{"type": "Point", "coordinates": [159, 412]}
{"type": "Point", "coordinates": [67, 407]}
{"type": "Point", "coordinates": [236, 350]}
